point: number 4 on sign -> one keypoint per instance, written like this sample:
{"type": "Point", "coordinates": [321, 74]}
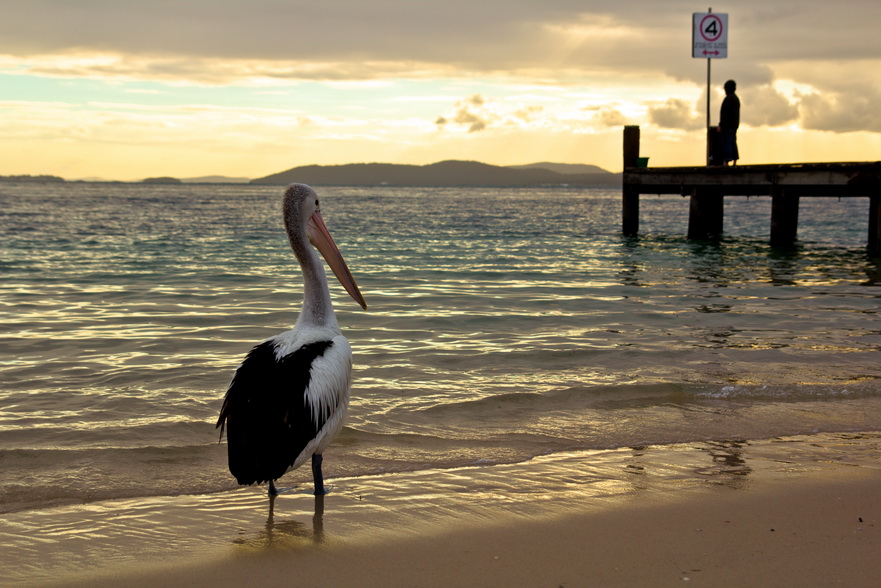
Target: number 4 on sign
{"type": "Point", "coordinates": [712, 28]}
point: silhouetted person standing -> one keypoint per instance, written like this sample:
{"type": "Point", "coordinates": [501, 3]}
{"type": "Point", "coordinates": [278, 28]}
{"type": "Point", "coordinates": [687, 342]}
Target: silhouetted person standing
{"type": "Point", "coordinates": [729, 121]}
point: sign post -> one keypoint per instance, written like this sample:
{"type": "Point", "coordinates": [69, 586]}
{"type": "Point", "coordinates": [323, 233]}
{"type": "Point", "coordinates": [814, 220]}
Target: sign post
{"type": "Point", "coordinates": [709, 40]}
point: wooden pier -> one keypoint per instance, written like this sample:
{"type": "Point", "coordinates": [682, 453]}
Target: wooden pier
{"type": "Point", "coordinates": [786, 184]}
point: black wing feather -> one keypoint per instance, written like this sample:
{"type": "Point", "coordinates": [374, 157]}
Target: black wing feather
{"type": "Point", "coordinates": [267, 417]}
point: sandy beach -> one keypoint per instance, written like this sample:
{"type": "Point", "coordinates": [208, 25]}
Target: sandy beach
{"type": "Point", "coordinates": [807, 533]}
{"type": "Point", "coordinates": [798, 511]}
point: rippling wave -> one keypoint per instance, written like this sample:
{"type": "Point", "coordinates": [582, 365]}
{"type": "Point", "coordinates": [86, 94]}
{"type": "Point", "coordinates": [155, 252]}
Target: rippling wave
{"type": "Point", "coordinates": [502, 324]}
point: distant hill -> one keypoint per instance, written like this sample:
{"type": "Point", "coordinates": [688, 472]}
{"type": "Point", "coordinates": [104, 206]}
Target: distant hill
{"type": "Point", "coordinates": [44, 178]}
{"type": "Point", "coordinates": [215, 180]}
{"type": "Point", "coordinates": [161, 180]}
{"type": "Point", "coordinates": [444, 173]}
{"type": "Point", "coordinates": [564, 168]}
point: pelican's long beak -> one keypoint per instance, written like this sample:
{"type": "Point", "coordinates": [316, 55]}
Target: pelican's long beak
{"type": "Point", "coordinates": [320, 237]}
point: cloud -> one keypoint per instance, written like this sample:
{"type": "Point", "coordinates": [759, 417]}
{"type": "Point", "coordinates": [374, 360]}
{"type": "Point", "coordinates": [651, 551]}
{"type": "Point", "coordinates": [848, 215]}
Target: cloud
{"type": "Point", "coordinates": [474, 121]}
{"type": "Point", "coordinates": [471, 112]}
{"type": "Point", "coordinates": [611, 117]}
{"type": "Point", "coordinates": [477, 113]}
{"type": "Point", "coordinates": [675, 114]}
{"type": "Point", "coordinates": [765, 106]}
{"type": "Point", "coordinates": [212, 71]}
{"type": "Point", "coordinates": [528, 113]}
{"type": "Point", "coordinates": [492, 35]}
{"type": "Point", "coordinates": [856, 111]}
{"type": "Point", "coordinates": [333, 31]}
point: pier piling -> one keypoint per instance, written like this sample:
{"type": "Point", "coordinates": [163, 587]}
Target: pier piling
{"type": "Point", "coordinates": [875, 224]}
{"type": "Point", "coordinates": [630, 197]}
{"type": "Point", "coordinates": [784, 217]}
{"type": "Point", "coordinates": [705, 214]}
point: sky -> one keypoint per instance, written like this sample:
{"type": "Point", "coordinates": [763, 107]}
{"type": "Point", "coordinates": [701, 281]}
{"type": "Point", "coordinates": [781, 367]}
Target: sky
{"type": "Point", "coordinates": [128, 89]}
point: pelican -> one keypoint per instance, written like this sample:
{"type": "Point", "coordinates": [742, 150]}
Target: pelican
{"type": "Point", "coordinates": [287, 399]}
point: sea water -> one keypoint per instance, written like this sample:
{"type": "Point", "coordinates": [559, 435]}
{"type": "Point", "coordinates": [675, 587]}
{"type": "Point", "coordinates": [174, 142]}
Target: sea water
{"type": "Point", "coordinates": [503, 324]}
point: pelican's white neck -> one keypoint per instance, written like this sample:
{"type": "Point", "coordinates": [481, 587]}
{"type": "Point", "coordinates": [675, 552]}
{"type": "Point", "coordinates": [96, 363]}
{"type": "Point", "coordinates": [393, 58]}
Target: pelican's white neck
{"type": "Point", "coordinates": [317, 308]}
{"type": "Point", "coordinates": [300, 204]}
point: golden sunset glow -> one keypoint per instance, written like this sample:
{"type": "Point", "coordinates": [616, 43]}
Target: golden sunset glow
{"type": "Point", "coordinates": [124, 92]}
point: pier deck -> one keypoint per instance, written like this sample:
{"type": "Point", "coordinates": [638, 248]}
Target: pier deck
{"type": "Point", "coordinates": [784, 183]}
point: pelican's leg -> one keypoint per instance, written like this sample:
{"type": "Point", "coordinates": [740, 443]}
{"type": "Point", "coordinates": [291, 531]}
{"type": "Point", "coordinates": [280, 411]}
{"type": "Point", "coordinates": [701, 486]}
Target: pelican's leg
{"type": "Point", "coordinates": [272, 490]}
{"type": "Point", "coordinates": [317, 475]}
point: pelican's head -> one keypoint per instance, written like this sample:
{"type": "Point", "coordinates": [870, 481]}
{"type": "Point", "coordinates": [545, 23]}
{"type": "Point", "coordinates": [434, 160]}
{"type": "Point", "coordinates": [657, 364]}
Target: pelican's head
{"type": "Point", "coordinates": [302, 212]}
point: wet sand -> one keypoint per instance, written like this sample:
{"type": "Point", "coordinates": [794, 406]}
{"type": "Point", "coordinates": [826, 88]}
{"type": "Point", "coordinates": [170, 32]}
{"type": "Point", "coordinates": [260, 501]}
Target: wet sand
{"type": "Point", "coordinates": [799, 511]}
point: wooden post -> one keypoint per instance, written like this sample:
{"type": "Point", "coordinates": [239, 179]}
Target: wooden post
{"type": "Point", "coordinates": [713, 152]}
{"type": "Point", "coordinates": [631, 145]}
{"type": "Point", "coordinates": [705, 215]}
{"type": "Point", "coordinates": [874, 245]}
{"type": "Point", "coordinates": [784, 217]}
{"type": "Point", "coordinates": [630, 194]}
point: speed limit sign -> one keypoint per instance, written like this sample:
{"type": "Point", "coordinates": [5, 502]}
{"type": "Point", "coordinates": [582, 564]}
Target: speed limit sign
{"type": "Point", "coordinates": [709, 35]}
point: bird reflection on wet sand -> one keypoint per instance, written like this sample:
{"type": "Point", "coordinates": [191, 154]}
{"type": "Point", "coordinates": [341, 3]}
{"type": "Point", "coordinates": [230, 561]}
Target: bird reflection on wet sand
{"type": "Point", "coordinates": [287, 533]}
